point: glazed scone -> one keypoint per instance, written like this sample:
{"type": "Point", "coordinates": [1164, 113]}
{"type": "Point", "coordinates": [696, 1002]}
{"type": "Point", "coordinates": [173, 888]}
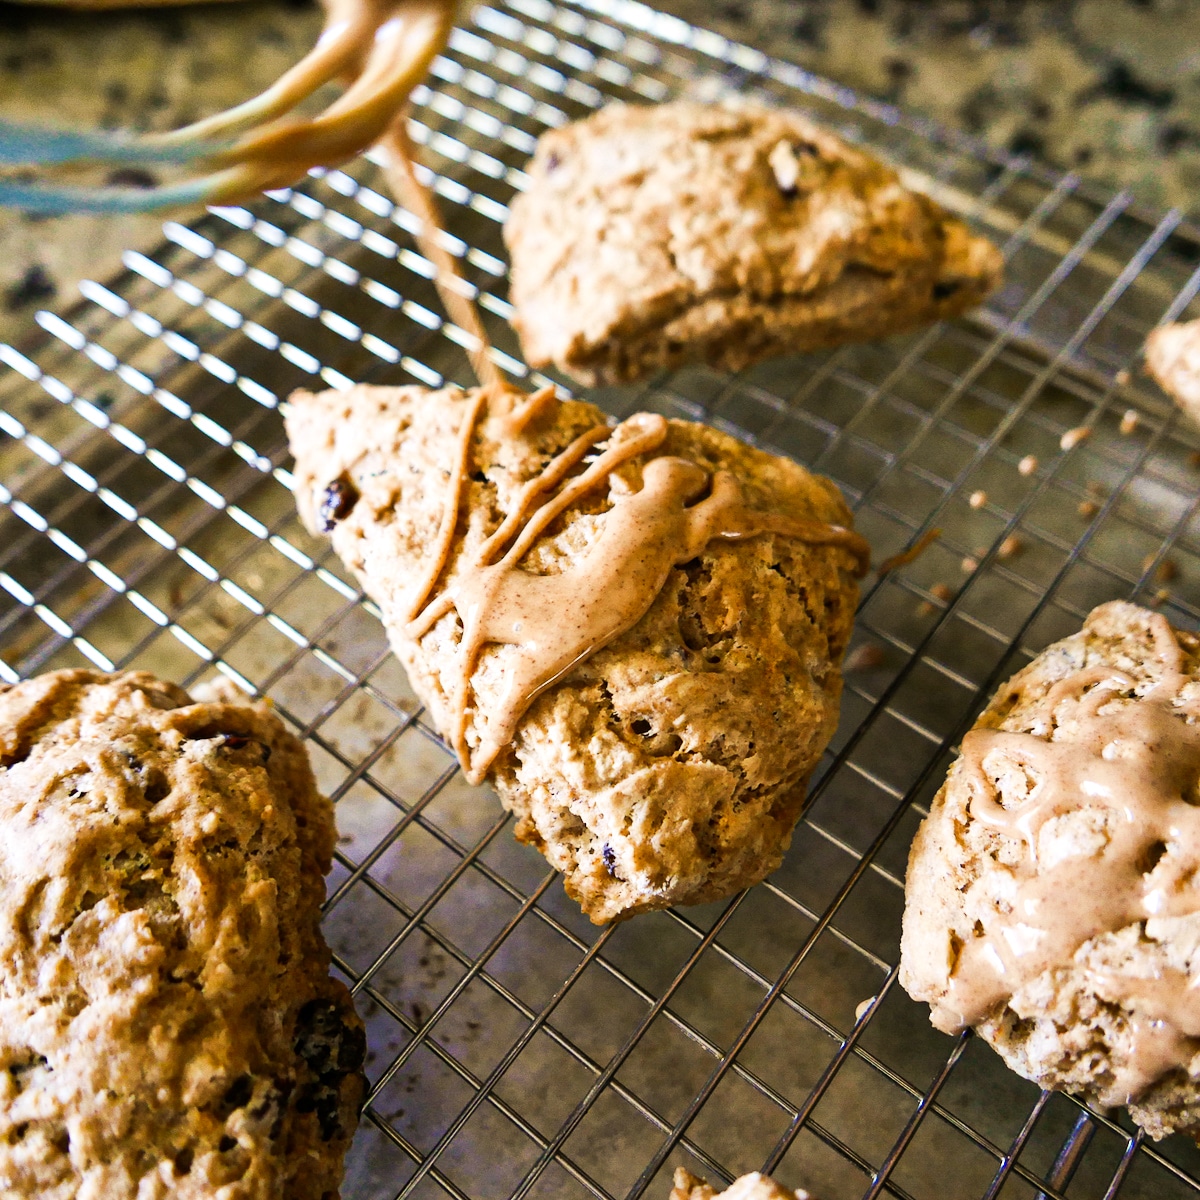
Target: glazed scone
{"type": "Point", "coordinates": [1050, 900]}
{"type": "Point", "coordinates": [1173, 361]}
{"type": "Point", "coordinates": [727, 233]}
{"type": "Point", "coordinates": [669, 766]}
{"type": "Point", "coordinates": [754, 1186]}
{"type": "Point", "coordinates": [168, 1026]}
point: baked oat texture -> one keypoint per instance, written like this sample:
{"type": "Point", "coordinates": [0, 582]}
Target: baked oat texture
{"type": "Point", "coordinates": [754, 1186]}
{"type": "Point", "coordinates": [1055, 1030]}
{"type": "Point", "coordinates": [1173, 361]}
{"type": "Point", "coordinates": [168, 1027]}
{"type": "Point", "coordinates": [670, 767]}
{"type": "Point", "coordinates": [650, 236]}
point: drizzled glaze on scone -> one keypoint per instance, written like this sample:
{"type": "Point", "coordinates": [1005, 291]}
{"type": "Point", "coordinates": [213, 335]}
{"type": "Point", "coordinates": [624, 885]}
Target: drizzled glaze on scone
{"type": "Point", "coordinates": [1135, 760]}
{"type": "Point", "coordinates": [667, 763]}
{"type": "Point", "coordinates": [561, 619]}
{"type": "Point", "coordinates": [1051, 901]}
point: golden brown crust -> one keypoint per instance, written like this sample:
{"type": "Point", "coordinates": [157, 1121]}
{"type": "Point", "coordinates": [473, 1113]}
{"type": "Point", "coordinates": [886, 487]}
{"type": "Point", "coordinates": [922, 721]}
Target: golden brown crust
{"type": "Point", "coordinates": [669, 767]}
{"type": "Point", "coordinates": [168, 1025]}
{"type": "Point", "coordinates": [651, 236]}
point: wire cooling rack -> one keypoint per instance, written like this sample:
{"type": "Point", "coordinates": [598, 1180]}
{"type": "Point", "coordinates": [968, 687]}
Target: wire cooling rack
{"type": "Point", "coordinates": [515, 1050]}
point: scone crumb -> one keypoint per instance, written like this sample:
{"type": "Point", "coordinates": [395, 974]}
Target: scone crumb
{"type": "Point", "coordinates": [969, 565]}
{"type": "Point", "coordinates": [1073, 437]}
{"type": "Point", "coordinates": [978, 499]}
{"type": "Point", "coordinates": [864, 657]}
{"type": "Point", "coordinates": [1160, 598]}
{"type": "Point", "coordinates": [1129, 422]}
{"type": "Point", "coordinates": [1121, 379]}
{"type": "Point", "coordinates": [1166, 570]}
{"type": "Point", "coordinates": [1088, 508]}
{"type": "Point", "coordinates": [1010, 546]}
{"type": "Point", "coordinates": [863, 1008]}
{"type": "Point", "coordinates": [939, 591]}
{"type": "Point", "coordinates": [1027, 465]}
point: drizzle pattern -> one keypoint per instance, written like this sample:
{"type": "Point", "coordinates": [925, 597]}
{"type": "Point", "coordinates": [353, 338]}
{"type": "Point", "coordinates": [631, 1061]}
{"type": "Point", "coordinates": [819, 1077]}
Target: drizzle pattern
{"type": "Point", "coordinates": [1133, 761]}
{"type": "Point", "coordinates": [560, 620]}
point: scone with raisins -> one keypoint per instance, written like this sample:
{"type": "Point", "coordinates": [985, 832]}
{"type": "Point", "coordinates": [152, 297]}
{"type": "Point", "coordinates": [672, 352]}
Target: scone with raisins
{"type": "Point", "coordinates": [168, 1025]}
{"type": "Point", "coordinates": [650, 236]}
{"type": "Point", "coordinates": [664, 760]}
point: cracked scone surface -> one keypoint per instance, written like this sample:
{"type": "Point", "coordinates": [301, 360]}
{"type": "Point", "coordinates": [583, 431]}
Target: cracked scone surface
{"type": "Point", "coordinates": [670, 766]}
{"type": "Point", "coordinates": [652, 236]}
{"type": "Point", "coordinates": [168, 1027]}
{"type": "Point", "coordinates": [1173, 361]}
{"type": "Point", "coordinates": [754, 1186]}
{"type": "Point", "coordinates": [1080, 1024]}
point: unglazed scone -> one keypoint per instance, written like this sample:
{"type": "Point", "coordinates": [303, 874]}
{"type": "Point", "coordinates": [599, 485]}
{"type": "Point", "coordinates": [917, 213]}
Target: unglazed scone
{"type": "Point", "coordinates": [653, 236]}
{"type": "Point", "coordinates": [168, 1026]}
{"type": "Point", "coordinates": [683, 685]}
{"type": "Point", "coordinates": [1173, 361]}
{"type": "Point", "coordinates": [754, 1186]}
{"type": "Point", "coordinates": [1051, 899]}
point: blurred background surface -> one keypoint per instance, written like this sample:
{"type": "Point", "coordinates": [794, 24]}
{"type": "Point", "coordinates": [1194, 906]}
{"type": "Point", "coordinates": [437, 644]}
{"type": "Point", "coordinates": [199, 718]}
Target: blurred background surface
{"type": "Point", "coordinates": [1108, 88]}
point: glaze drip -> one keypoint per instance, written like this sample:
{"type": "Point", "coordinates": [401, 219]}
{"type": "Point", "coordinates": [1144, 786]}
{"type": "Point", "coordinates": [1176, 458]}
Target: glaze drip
{"type": "Point", "coordinates": [559, 620]}
{"type": "Point", "coordinates": [1133, 763]}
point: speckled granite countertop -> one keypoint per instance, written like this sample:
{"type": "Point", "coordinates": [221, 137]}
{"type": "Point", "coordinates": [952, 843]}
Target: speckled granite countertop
{"type": "Point", "coordinates": [1109, 88]}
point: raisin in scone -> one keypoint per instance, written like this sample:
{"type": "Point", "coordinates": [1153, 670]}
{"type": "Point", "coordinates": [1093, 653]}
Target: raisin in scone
{"type": "Point", "coordinates": [650, 236]}
{"type": "Point", "coordinates": [1053, 899]}
{"type": "Point", "coordinates": [634, 633]}
{"type": "Point", "coordinates": [168, 1026]}
{"type": "Point", "coordinates": [1173, 361]}
{"type": "Point", "coordinates": [754, 1186]}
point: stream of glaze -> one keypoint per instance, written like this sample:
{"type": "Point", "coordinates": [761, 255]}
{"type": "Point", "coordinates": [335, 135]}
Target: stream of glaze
{"type": "Point", "coordinates": [1137, 761]}
{"type": "Point", "coordinates": [559, 620]}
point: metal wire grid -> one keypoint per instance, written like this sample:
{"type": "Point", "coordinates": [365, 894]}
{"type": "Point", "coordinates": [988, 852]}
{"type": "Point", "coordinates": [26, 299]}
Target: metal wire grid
{"type": "Point", "coordinates": [515, 1050]}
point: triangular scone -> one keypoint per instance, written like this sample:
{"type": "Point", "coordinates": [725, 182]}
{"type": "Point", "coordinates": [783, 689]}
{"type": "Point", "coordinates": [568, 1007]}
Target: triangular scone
{"type": "Point", "coordinates": [670, 765]}
{"type": "Point", "coordinates": [1173, 361]}
{"type": "Point", "coordinates": [653, 236]}
{"type": "Point", "coordinates": [754, 1186]}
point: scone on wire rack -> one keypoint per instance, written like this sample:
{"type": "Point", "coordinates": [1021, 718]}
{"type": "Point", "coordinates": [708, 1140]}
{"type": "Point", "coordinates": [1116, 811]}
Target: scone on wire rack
{"type": "Point", "coordinates": [1173, 362]}
{"type": "Point", "coordinates": [651, 236]}
{"type": "Point", "coordinates": [1053, 892]}
{"type": "Point", "coordinates": [168, 1025]}
{"type": "Point", "coordinates": [635, 633]}
{"type": "Point", "coordinates": [754, 1186]}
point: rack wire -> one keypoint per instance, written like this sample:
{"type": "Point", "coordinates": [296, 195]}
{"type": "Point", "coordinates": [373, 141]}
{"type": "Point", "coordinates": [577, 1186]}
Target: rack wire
{"type": "Point", "coordinates": [515, 1050]}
